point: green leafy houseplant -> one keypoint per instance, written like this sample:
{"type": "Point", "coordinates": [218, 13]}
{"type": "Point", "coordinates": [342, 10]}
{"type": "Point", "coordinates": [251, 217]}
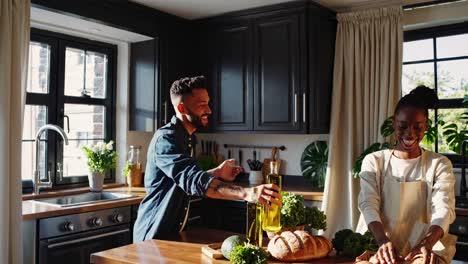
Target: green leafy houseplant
{"type": "Point", "coordinates": [314, 162]}
{"type": "Point", "coordinates": [101, 156]}
{"type": "Point", "coordinates": [294, 213]}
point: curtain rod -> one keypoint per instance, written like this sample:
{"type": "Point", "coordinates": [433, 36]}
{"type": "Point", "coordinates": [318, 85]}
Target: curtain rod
{"type": "Point", "coordinates": [431, 3]}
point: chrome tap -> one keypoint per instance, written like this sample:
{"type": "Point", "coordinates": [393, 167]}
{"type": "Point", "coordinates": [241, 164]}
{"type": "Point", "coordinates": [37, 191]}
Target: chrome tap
{"type": "Point", "coordinates": [37, 183]}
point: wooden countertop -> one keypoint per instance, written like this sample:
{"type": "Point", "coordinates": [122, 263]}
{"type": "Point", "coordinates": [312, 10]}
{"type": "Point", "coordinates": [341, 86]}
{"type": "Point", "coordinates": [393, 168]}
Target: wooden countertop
{"type": "Point", "coordinates": [33, 210]}
{"type": "Point", "coordinates": [185, 248]}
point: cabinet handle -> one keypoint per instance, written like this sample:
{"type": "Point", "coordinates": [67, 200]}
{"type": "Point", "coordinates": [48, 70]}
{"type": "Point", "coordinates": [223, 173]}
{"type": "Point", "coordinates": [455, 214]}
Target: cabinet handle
{"type": "Point", "coordinates": [295, 108]}
{"type": "Point", "coordinates": [304, 107]}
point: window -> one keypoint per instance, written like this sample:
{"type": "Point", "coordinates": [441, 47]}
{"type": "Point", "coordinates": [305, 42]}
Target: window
{"type": "Point", "coordinates": [438, 58]}
{"type": "Point", "coordinates": [70, 84]}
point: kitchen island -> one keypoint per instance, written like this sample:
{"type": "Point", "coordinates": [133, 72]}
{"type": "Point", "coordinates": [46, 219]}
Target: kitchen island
{"type": "Point", "coordinates": [184, 248]}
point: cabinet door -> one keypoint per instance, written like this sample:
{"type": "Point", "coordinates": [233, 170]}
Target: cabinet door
{"type": "Point", "coordinates": [232, 83]}
{"type": "Point", "coordinates": [322, 31]}
{"type": "Point", "coordinates": [276, 74]}
{"type": "Point", "coordinates": [144, 82]}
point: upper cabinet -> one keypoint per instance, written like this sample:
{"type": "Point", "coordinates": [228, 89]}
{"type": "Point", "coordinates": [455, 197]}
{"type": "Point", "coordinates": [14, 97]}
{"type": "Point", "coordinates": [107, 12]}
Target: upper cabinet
{"type": "Point", "coordinates": [231, 84]}
{"type": "Point", "coordinates": [143, 92]}
{"type": "Point", "coordinates": [270, 69]}
{"type": "Point", "coordinates": [276, 73]}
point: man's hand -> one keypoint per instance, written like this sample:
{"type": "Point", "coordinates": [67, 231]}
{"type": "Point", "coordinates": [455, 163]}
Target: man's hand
{"type": "Point", "coordinates": [227, 170]}
{"type": "Point", "coordinates": [264, 194]}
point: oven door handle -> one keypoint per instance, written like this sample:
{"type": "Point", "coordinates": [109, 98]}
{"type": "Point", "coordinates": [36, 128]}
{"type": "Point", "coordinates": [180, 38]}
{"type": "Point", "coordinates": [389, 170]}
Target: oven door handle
{"type": "Point", "coordinates": [462, 243]}
{"type": "Point", "coordinates": [88, 238]}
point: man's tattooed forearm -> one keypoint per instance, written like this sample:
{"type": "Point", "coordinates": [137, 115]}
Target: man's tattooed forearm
{"type": "Point", "coordinates": [223, 186]}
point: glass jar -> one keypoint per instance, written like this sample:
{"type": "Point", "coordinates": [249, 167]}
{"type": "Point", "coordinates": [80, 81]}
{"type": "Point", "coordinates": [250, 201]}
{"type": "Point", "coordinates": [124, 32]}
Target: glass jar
{"type": "Point", "coordinates": [134, 175]}
{"type": "Point", "coordinates": [271, 220]}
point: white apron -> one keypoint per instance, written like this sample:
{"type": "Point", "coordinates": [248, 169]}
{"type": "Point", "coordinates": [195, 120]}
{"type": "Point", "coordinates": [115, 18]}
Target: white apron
{"type": "Point", "coordinates": [405, 208]}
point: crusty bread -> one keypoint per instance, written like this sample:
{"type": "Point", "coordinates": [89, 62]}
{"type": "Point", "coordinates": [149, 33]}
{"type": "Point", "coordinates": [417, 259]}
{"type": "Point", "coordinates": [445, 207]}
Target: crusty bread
{"type": "Point", "coordinates": [298, 246]}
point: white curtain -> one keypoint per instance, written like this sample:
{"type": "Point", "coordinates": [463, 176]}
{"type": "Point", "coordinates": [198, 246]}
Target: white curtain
{"type": "Point", "coordinates": [366, 88]}
{"type": "Point", "coordinates": [14, 45]}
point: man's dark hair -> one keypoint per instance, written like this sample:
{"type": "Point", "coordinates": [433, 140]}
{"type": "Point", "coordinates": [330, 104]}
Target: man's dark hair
{"type": "Point", "coordinates": [185, 85]}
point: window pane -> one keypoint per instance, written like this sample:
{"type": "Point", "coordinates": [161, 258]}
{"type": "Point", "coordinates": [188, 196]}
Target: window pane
{"type": "Point", "coordinates": [423, 144]}
{"type": "Point", "coordinates": [452, 79]}
{"type": "Point", "coordinates": [86, 121]}
{"type": "Point", "coordinates": [96, 72]}
{"type": "Point", "coordinates": [449, 116]}
{"type": "Point", "coordinates": [74, 161]}
{"type": "Point", "coordinates": [28, 159]}
{"type": "Point", "coordinates": [38, 68]}
{"type": "Point", "coordinates": [35, 116]}
{"type": "Point", "coordinates": [417, 74]}
{"type": "Point", "coordinates": [418, 50]}
{"type": "Point", "coordinates": [452, 46]}
{"type": "Point", "coordinates": [75, 72]}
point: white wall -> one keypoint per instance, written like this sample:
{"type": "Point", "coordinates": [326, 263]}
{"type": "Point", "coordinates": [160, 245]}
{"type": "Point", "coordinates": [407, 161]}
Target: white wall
{"type": "Point", "coordinates": [435, 16]}
{"type": "Point", "coordinates": [295, 145]}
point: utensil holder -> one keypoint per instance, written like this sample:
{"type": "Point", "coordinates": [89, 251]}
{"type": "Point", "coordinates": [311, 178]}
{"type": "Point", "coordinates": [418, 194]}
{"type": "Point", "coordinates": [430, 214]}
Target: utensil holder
{"type": "Point", "coordinates": [255, 177]}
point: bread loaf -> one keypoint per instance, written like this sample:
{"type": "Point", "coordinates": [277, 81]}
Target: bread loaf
{"type": "Point", "coordinates": [298, 246]}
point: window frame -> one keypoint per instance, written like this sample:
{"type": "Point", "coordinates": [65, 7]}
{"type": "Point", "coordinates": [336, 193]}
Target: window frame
{"type": "Point", "coordinates": [55, 100]}
{"type": "Point", "coordinates": [433, 33]}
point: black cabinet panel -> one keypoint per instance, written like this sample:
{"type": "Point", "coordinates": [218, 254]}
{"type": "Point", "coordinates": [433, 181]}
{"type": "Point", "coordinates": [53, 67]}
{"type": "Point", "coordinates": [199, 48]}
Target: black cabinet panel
{"type": "Point", "coordinates": [144, 85]}
{"type": "Point", "coordinates": [321, 56]}
{"type": "Point", "coordinates": [276, 74]}
{"type": "Point", "coordinates": [232, 87]}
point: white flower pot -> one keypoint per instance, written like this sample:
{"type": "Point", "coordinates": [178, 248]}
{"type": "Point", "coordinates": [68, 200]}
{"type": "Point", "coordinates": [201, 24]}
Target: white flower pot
{"type": "Point", "coordinates": [96, 181]}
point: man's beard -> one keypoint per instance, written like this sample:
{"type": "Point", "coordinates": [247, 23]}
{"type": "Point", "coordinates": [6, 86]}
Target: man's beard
{"type": "Point", "coordinates": [196, 120]}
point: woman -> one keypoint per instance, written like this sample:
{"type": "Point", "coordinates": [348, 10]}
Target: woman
{"type": "Point", "coordinates": [407, 194]}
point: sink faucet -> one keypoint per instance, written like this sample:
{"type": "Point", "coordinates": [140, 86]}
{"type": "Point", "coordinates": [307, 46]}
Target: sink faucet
{"type": "Point", "coordinates": [37, 183]}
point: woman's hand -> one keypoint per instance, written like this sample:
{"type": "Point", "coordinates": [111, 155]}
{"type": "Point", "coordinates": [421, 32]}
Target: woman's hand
{"type": "Point", "coordinates": [424, 248]}
{"type": "Point", "coordinates": [423, 251]}
{"type": "Point", "coordinates": [387, 253]}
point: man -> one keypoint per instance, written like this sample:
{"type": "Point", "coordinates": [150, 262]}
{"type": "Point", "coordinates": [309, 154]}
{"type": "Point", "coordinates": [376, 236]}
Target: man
{"type": "Point", "coordinates": [172, 174]}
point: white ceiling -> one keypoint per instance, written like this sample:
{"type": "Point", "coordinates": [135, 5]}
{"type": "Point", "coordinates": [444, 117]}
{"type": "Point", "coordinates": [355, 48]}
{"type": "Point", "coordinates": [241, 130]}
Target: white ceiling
{"type": "Point", "coordinates": [194, 9]}
{"type": "Point", "coordinates": [57, 22]}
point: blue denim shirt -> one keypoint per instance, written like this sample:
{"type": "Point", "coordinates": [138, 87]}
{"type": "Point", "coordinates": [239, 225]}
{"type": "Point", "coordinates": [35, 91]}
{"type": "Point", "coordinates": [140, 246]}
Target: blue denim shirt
{"type": "Point", "coordinates": [171, 177]}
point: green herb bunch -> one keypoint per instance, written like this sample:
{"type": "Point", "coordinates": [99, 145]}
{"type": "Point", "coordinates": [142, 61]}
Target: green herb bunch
{"type": "Point", "coordinates": [248, 254]}
{"type": "Point", "coordinates": [351, 244]}
{"type": "Point", "coordinates": [294, 213]}
{"type": "Point", "coordinates": [101, 156]}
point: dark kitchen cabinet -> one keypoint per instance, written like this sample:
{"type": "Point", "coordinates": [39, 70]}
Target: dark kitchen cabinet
{"type": "Point", "coordinates": [229, 215]}
{"type": "Point", "coordinates": [144, 83]}
{"type": "Point", "coordinates": [270, 69]}
{"type": "Point", "coordinates": [321, 46]}
{"type": "Point", "coordinates": [276, 71]}
{"type": "Point", "coordinates": [232, 81]}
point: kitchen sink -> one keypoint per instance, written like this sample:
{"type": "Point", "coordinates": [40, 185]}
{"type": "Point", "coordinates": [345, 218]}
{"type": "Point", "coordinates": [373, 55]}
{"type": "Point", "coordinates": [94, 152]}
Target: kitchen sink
{"type": "Point", "coordinates": [84, 198]}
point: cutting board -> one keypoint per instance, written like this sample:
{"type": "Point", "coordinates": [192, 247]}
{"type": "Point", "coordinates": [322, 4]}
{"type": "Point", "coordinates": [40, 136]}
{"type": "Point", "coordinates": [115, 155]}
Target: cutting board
{"type": "Point", "coordinates": [213, 251]}
{"type": "Point", "coordinates": [266, 163]}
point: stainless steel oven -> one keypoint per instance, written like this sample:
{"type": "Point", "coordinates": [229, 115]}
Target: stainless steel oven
{"type": "Point", "coordinates": [72, 239]}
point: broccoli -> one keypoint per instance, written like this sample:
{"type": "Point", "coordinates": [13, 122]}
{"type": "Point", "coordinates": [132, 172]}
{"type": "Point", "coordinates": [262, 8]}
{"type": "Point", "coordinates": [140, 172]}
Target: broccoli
{"type": "Point", "coordinates": [248, 254]}
{"type": "Point", "coordinates": [340, 237]}
{"type": "Point", "coordinates": [369, 242]}
{"type": "Point", "coordinates": [315, 218]}
{"type": "Point", "coordinates": [353, 245]}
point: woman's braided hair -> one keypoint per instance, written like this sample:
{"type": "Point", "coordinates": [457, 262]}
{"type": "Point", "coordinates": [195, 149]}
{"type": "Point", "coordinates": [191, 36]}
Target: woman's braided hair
{"type": "Point", "coordinates": [421, 97]}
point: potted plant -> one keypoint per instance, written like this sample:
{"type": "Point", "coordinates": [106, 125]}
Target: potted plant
{"type": "Point", "coordinates": [101, 157]}
{"type": "Point", "coordinates": [296, 216]}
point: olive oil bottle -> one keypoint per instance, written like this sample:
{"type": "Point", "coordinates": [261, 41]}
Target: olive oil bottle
{"type": "Point", "coordinates": [271, 216]}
